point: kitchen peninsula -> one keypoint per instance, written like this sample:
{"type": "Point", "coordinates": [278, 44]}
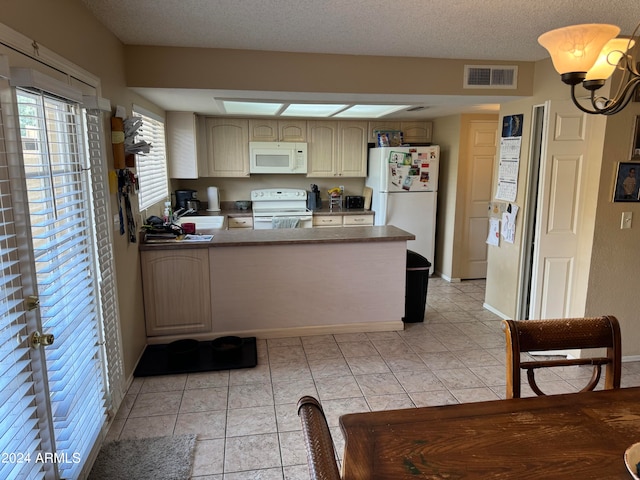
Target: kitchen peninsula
{"type": "Point", "coordinates": [275, 283]}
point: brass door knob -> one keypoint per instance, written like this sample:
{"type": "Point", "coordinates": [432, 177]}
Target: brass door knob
{"type": "Point", "coordinates": [36, 339]}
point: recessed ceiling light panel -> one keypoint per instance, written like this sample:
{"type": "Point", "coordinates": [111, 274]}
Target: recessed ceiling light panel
{"type": "Point", "coordinates": [311, 110]}
{"type": "Point", "coordinates": [369, 111]}
{"type": "Point", "coordinates": [251, 108]}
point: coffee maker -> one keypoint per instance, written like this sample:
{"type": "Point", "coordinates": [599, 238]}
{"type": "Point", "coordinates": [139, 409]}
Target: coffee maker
{"type": "Point", "coordinates": [184, 196]}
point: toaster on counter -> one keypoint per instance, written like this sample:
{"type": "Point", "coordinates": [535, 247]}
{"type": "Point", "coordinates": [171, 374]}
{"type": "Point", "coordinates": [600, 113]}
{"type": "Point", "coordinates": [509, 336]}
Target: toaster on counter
{"type": "Point", "coordinates": [354, 202]}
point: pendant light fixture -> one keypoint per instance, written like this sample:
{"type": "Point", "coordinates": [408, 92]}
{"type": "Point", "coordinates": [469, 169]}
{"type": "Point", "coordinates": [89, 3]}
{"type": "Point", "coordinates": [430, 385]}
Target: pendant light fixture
{"type": "Point", "coordinates": [589, 54]}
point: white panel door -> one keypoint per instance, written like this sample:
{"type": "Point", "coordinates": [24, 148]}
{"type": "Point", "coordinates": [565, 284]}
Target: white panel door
{"type": "Point", "coordinates": [482, 139]}
{"type": "Point", "coordinates": [558, 225]}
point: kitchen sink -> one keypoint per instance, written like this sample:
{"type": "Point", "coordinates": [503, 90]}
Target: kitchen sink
{"type": "Point", "coordinates": [204, 223]}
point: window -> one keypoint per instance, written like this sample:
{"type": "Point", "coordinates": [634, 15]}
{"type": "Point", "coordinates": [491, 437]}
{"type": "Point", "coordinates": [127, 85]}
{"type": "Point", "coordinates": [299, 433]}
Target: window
{"type": "Point", "coordinates": [151, 167]}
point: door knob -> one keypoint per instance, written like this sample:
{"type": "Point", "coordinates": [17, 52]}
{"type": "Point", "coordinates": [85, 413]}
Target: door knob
{"type": "Point", "coordinates": [36, 339]}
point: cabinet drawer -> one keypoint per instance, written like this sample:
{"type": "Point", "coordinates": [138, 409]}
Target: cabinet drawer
{"type": "Point", "coordinates": [240, 222]}
{"type": "Point", "coordinates": [355, 220]}
{"type": "Point", "coordinates": [327, 220]}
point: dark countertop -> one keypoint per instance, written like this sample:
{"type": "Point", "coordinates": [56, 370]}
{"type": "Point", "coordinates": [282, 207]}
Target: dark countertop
{"type": "Point", "coordinates": [289, 236]}
{"type": "Point", "coordinates": [234, 212]}
{"type": "Point", "coordinates": [343, 211]}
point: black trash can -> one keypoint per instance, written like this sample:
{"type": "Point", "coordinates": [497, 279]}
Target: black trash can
{"type": "Point", "coordinates": [416, 287]}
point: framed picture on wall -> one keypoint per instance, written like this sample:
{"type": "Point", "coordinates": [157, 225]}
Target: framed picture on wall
{"type": "Point", "coordinates": [627, 182]}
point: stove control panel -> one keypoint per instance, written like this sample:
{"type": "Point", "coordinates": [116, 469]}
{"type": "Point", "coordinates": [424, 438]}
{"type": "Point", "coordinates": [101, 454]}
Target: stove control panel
{"type": "Point", "coordinates": [272, 194]}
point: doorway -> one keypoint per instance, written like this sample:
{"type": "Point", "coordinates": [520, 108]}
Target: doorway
{"type": "Point", "coordinates": [531, 211]}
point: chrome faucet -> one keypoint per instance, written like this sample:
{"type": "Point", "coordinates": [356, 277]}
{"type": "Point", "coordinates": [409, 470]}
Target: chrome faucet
{"type": "Point", "coordinates": [181, 212]}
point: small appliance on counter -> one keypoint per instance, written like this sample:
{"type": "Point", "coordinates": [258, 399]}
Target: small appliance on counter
{"type": "Point", "coordinates": [354, 202]}
{"type": "Point", "coordinates": [314, 202]}
{"type": "Point", "coordinates": [213, 197]}
{"type": "Point", "coordinates": [184, 196]}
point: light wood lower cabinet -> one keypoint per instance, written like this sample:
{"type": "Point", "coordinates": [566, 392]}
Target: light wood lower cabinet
{"type": "Point", "coordinates": [357, 220]}
{"type": "Point", "coordinates": [342, 220]}
{"type": "Point", "coordinates": [177, 291]}
{"type": "Point", "coordinates": [327, 220]}
{"type": "Point", "coordinates": [239, 222]}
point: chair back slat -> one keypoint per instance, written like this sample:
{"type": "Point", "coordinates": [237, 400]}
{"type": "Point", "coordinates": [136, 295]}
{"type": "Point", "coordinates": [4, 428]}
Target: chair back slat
{"type": "Point", "coordinates": [527, 336]}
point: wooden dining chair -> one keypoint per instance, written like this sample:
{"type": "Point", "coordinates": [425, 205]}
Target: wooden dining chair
{"type": "Point", "coordinates": [321, 457]}
{"type": "Point", "coordinates": [525, 336]}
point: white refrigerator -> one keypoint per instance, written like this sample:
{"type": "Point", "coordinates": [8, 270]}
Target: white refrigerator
{"type": "Point", "coordinates": [404, 181]}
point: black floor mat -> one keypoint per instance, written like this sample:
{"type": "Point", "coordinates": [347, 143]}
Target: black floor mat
{"type": "Point", "coordinates": [155, 360]}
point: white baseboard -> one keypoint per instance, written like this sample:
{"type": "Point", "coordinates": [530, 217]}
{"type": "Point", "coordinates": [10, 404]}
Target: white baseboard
{"type": "Point", "coordinates": [497, 312]}
{"type": "Point", "coordinates": [631, 358]}
{"type": "Point", "coordinates": [448, 278]}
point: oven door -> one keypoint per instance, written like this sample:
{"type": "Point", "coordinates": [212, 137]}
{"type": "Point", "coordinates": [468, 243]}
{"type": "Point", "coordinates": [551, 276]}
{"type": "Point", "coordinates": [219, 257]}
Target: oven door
{"type": "Point", "coordinates": [265, 222]}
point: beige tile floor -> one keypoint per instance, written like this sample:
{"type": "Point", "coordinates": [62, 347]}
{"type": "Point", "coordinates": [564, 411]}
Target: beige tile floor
{"type": "Point", "coordinates": [246, 420]}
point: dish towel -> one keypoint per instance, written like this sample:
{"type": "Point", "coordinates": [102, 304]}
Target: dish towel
{"type": "Point", "coordinates": [285, 222]}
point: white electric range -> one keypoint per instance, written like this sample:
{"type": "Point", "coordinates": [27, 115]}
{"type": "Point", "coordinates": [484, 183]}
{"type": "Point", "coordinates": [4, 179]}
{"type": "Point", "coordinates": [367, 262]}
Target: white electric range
{"type": "Point", "coordinates": [280, 208]}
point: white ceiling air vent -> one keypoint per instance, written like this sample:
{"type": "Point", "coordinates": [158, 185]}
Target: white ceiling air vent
{"type": "Point", "coordinates": [490, 76]}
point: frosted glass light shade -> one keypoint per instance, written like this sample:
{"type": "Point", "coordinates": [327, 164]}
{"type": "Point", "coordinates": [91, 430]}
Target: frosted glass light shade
{"type": "Point", "coordinates": [576, 48]}
{"type": "Point", "coordinates": [609, 57]}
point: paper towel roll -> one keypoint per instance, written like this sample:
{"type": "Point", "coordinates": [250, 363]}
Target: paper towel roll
{"type": "Point", "coordinates": [214, 199]}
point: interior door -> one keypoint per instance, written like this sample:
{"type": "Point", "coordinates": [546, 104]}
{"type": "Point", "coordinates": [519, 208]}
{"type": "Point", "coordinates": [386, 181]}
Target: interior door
{"type": "Point", "coordinates": [558, 220]}
{"type": "Point", "coordinates": [481, 143]}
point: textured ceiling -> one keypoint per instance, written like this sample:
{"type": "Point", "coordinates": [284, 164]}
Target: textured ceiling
{"type": "Point", "coordinates": [466, 29]}
{"type": "Point", "coordinates": [461, 29]}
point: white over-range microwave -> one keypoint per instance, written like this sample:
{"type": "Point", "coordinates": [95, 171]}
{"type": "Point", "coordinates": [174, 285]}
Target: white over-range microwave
{"type": "Point", "coordinates": [277, 157]}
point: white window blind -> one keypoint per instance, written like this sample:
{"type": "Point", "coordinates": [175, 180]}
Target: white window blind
{"type": "Point", "coordinates": [18, 410]}
{"type": "Point", "coordinates": [151, 167]}
{"type": "Point", "coordinates": [112, 340]}
{"type": "Point", "coordinates": [61, 229]}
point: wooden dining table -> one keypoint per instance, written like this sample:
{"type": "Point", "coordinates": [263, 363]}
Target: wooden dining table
{"type": "Point", "coordinates": [572, 436]}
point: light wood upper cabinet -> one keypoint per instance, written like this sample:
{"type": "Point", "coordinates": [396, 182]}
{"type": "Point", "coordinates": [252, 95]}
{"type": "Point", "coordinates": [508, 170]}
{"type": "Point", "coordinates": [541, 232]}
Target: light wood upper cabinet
{"type": "Point", "coordinates": [264, 130]}
{"type": "Point", "coordinates": [417, 132]}
{"type": "Point", "coordinates": [182, 144]}
{"type": "Point", "coordinates": [292, 130]}
{"type": "Point", "coordinates": [322, 151]}
{"type": "Point", "coordinates": [413, 131]}
{"type": "Point", "coordinates": [352, 149]}
{"type": "Point", "coordinates": [380, 125]}
{"type": "Point", "coordinates": [337, 148]}
{"type": "Point", "coordinates": [177, 291]}
{"type": "Point", "coordinates": [227, 147]}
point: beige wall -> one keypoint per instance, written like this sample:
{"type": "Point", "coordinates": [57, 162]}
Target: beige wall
{"type": "Point", "coordinates": [446, 134]}
{"type": "Point", "coordinates": [615, 260]}
{"type": "Point", "coordinates": [232, 189]}
{"type": "Point", "coordinates": [163, 67]}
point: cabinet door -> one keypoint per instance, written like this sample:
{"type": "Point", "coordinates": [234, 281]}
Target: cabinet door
{"type": "Point", "coordinates": [380, 125]}
{"type": "Point", "coordinates": [327, 220]}
{"type": "Point", "coordinates": [352, 149]}
{"type": "Point", "coordinates": [263, 130]}
{"type": "Point", "coordinates": [177, 291]}
{"type": "Point", "coordinates": [240, 222]}
{"type": "Point", "coordinates": [292, 130]}
{"type": "Point", "coordinates": [417, 132]}
{"type": "Point", "coordinates": [357, 220]}
{"type": "Point", "coordinates": [182, 145]}
{"type": "Point", "coordinates": [322, 151]}
{"type": "Point", "coordinates": [227, 147]}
